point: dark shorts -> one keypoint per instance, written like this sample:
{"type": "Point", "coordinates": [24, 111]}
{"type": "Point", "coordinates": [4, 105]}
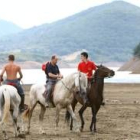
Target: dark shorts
{"type": "Point", "coordinates": [15, 83]}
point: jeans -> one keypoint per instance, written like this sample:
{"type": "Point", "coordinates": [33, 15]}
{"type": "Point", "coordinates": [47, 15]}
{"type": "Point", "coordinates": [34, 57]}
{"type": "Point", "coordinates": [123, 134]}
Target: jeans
{"type": "Point", "coordinates": [17, 84]}
{"type": "Point", "coordinates": [50, 85]}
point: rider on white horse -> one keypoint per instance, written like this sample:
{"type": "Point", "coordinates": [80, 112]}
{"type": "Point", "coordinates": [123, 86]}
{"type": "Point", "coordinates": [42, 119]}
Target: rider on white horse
{"type": "Point", "coordinates": [53, 74]}
{"type": "Point", "coordinates": [12, 70]}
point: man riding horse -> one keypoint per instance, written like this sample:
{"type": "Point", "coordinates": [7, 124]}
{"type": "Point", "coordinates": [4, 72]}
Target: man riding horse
{"type": "Point", "coordinates": [87, 67]}
{"type": "Point", "coordinates": [53, 74]}
{"type": "Point", "coordinates": [12, 70]}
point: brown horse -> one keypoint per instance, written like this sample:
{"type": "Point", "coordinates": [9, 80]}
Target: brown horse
{"type": "Point", "coordinates": [95, 96]}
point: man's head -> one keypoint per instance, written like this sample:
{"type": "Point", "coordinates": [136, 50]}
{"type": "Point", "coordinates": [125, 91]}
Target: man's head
{"type": "Point", "coordinates": [11, 57]}
{"type": "Point", "coordinates": [84, 56]}
{"type": "Point", "coordinates": [54, 59]}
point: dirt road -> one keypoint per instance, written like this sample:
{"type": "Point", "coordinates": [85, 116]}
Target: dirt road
{"type": "Point", "coordinates": [119, 119]}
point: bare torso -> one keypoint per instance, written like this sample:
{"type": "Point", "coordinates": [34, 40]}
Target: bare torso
{"type": "Point", "coordinates": [12, 70]}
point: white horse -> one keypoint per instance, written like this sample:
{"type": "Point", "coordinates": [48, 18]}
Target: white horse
{"type": "Point", "coordinates": [9, 103]}
{"type": "Point", "coordinates": [62, 96]}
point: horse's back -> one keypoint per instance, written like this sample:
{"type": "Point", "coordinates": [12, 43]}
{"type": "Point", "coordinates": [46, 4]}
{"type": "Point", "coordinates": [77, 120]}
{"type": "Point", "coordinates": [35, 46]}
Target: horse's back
{"type": "Point", "coordinates": [12, 91]}
{"type": "Point", "coordinates": [37, 88]}
{"type": "Point", "coordinates": [36, 91]}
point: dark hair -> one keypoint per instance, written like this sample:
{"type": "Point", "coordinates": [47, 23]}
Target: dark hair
{"type": "Point", "coordinates": [85, 54]}
{"type": "Point", "coordinates": [53, 57]}
{"type": "Point", "coordinates": [11, 57]}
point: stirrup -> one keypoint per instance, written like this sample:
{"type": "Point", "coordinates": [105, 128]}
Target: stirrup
{"type": "Point", "coordinates": [46, 105]}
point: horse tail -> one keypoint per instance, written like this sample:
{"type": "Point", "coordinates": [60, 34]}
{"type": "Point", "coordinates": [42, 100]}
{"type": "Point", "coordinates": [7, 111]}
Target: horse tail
{"type": "Point", "coordinates": [27, 112]}
{"type": "Point", "coordinates": [6, 104]}
{"type": "Point", "coordinates": [67, 117]}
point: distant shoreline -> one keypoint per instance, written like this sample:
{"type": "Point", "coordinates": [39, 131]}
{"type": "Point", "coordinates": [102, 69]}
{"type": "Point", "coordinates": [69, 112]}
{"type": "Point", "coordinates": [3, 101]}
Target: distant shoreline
{"type": "Point", "coordinates": [61, 64]}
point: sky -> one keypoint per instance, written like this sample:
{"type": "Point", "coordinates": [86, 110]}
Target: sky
{"type": "Point", "coordinates": [29, 13]}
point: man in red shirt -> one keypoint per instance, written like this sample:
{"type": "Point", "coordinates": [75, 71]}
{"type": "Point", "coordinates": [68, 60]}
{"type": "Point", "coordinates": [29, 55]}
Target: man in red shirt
{"type": "Point", "coordinates": [86, 67]}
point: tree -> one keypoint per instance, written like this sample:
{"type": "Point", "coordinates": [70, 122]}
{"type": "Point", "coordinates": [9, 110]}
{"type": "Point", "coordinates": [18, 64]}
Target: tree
{"type": "Point", "coordinates": [137, 51]}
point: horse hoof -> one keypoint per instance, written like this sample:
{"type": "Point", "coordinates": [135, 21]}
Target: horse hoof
{"type": "Point", "coordinates": [77, 130]}
{"type": "Point", "coordinates": [93, 132]}
{"type": "Point", "coordinates": [21, 135]}
{"type": "Point", "coordinates": [90, 129]}
{"type": "Point", "coordinates": [81, 129]}
{"type": "Point", "coordinates": [6, 138]}
{"type": "Point", "coordinates": [27, 133]}
{"type": "Point", "coordinates": [42, 132]}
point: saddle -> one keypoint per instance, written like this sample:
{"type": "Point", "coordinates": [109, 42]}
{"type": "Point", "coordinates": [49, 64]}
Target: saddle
{"type": "Point", "coordinates": [14, 85]}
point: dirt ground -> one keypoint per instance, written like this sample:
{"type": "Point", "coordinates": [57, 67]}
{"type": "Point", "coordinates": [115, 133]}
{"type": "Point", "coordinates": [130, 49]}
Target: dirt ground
{"type": "Point", "coordinates": [119, 119]}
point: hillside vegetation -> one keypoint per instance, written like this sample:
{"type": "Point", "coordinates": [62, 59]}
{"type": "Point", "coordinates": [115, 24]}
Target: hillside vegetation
{"type": "Point", "coordinates": [108, 32]}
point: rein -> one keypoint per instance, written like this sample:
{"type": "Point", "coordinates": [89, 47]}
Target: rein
{"type": "Point", "coordinates": [69, 88]}
{"type": "Point", "coordinates": [96, 78]}
{"type": "Point", "coordinates": [79, 81]}
{"type": "Point", "coordinates": [65, 86]}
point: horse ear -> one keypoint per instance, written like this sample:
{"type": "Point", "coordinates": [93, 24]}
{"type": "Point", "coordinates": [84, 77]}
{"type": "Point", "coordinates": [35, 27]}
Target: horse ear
{"type": "Point", "coordinates": [98, 66]}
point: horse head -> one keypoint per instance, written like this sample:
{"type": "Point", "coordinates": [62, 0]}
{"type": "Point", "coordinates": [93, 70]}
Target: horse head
{"type": "Point", "coordinates": [104, 72]}
{"type": "Point", "coordinates": [81, 83]}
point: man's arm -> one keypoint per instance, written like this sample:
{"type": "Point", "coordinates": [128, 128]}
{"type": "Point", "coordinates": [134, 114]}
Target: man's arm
{"type": "Point", "coordinates": [59, 74]}
{"type": "Point", "coordinates": [94, 66]}
{"type": "Point", "coordinates": [79, 67]}
{"type": "Point", "coordinates": [1, 75]}
{"type": "Point", "coordinates": [53, 75]}
{"type": "Point", "coordinates": [20, 74]}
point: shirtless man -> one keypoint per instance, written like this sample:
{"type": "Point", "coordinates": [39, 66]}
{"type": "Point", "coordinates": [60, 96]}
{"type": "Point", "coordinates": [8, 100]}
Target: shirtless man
{"type": "Point", "coordinates": [12, 70]}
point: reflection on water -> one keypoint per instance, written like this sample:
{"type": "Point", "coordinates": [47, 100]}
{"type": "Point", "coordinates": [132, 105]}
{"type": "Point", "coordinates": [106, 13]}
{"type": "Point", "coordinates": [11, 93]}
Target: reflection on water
{"type": "Point", "coordinates": [32, 76]}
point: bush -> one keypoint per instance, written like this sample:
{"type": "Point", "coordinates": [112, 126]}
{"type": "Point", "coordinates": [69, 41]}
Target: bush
{"type": "Point", "coordinates": [137, 51]}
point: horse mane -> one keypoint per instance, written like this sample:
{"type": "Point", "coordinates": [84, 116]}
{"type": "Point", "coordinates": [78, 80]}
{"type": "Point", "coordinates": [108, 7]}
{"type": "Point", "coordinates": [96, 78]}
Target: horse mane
{"type": "Point", "coordinates": [95, 80]}
{"type": "Point", "coordinates": [68, 77]}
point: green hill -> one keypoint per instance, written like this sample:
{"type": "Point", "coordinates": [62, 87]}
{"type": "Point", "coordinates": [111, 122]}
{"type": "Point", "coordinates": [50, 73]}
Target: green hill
{"type": "Point", "coordinates": [108, 32]}
{"type": "Point", "coordinates": [8, 28]}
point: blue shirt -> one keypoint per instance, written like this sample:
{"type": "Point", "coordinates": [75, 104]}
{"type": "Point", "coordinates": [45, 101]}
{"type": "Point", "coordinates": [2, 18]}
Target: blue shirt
{"type": "Point", "coordinates": [52, 69]}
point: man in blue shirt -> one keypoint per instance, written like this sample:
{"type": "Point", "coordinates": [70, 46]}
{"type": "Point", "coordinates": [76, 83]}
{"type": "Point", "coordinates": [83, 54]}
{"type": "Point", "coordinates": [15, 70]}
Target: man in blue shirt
{"type": "Point", "coordinates": [53, 74]}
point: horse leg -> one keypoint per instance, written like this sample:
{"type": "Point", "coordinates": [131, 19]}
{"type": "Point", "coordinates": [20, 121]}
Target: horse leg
{"type": "Point", "coordinates": [33, 105]}
{"type": "Point", "coordinates": [21, 124]}
{"type": "Point", "coordinates": [81, 111]}
{"type": "Point", "coordinates": [93, 123]}
{"type": "Point", "coordinates": [14, 115]}
{"type": "Point", "coordinates": [2, 125]}
{"type": "Point", "coordinates": [58, 108]}
{"type": "Point", "coordinates": [41, 117]}
{"type": "Point", "coordinates": [74, 102]}
{"type": "Point", "coordinates": [69, 108]}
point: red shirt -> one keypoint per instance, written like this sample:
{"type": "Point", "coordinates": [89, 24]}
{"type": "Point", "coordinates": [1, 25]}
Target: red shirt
{"type": "Point", "coordinates": [87, 67]}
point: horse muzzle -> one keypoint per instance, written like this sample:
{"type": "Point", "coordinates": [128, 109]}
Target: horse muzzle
{"type": "Point", "coordinates": [111, 74]}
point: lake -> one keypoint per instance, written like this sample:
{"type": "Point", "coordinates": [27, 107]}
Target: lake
{"type": "Point", "coordinates": [32, 76]}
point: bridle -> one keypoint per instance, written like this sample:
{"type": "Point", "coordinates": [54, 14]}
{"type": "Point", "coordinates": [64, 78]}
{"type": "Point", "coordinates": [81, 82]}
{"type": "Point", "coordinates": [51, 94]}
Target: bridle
{"type": "Point", "coordinates": [79, 75]}
{"type": "Point", "coordinates": [97, 78]}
